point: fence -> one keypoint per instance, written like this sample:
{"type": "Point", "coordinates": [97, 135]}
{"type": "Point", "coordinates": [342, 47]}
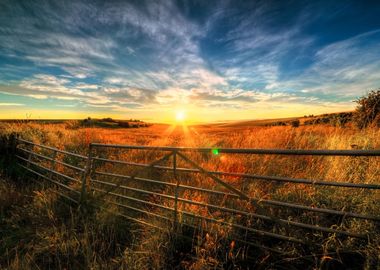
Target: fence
{"type": "Point", "coordinates": [171, 189]}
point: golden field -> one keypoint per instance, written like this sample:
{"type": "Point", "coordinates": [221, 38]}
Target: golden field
{"type": "Point", "coordinates": [80, 248]}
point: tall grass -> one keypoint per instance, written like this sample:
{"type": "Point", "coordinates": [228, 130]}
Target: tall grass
{"type": "Point", "coordinates": [214, 247]}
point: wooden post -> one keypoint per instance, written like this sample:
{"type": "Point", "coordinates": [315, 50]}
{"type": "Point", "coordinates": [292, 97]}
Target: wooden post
{"type": "Point", "coordinates": [10, 154]}
{"type": "Point", "coordinates": [86, 174]}
{"type": "Point", "coordinates": [175, 218]}
{"type": "Point", "coordinates": [12, 144]}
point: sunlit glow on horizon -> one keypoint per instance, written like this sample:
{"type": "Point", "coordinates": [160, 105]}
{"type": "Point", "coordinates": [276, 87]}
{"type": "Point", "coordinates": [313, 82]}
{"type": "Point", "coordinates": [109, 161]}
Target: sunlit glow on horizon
{"type": "Point", "coordinates": [180, 116]}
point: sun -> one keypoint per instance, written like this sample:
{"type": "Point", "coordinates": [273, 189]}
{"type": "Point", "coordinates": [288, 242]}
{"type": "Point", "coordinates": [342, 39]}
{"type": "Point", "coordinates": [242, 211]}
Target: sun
{"type": "Point", "coordinates": [180, 116]}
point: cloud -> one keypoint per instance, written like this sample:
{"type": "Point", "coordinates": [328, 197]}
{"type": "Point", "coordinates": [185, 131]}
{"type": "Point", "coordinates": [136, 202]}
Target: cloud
{"type": "Point", "coordinates": [346, 69]}
{"type": "Point", "coordinates": [236, 95]}
{"type": "Point", "coordinates": [87, 86]}
{"type": "Point", "coordinates": [43, 86]}
{"type": "Point", "coordinates": [11, 104]}
{"type": "Point", "coordinates": [127, 95]}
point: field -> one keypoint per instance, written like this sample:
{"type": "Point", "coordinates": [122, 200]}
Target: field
{"type": "Point", "coordinates": [42, 232]}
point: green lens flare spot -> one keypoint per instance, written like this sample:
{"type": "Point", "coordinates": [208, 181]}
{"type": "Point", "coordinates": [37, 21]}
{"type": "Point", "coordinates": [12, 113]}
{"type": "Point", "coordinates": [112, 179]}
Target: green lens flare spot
{"type": "Point", "coordinates": [215, 151]}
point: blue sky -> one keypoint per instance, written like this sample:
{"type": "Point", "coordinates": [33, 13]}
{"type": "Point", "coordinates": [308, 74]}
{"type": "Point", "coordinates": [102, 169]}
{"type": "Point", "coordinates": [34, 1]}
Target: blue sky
{"type": "Point", "coordinates": [215, 60]}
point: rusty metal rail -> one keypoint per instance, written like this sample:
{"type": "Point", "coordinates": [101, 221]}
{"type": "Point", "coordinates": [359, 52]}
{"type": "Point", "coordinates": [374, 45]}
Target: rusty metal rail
{"type": "Point", "coordinates": [45, 167]}
{"type": "Point", "coordinates": [356, 153]}
{"type": "Point", "coordinates": [52, 149]}
{"type": "Point", "coordinates": [162, 197]}
{"type": "Point", "coordinates": [251, 176]}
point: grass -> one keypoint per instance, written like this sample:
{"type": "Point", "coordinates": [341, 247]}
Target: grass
{"type": "Point", "coordinates": [40, 230]}
{"type": "Point", "coordinates": [57, 235]}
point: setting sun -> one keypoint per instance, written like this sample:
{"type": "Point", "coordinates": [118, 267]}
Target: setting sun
{"type": "Point", "coordinates": [180, 116]}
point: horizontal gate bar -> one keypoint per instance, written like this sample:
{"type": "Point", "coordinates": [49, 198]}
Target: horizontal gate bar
{"type": "Point", "coordinates": [135, 199]}
{"type": "Point", "coordinates": [249, 151]}
{"type": "Point", "coordinates": [53, 190]}
{"type": "Point", "coordinates": [134, 189]}
{"type": "Point", "coordinates": [49, 170]}
{"type": "Point", "coordinates": [253, 176]}
{"type": "Point", "coordinates": [51, 159]}
{"type": "Point", "coordinates": [187, 225]}
{"type": "Point", "coordinates": [183, 224]}
{"type": "Point", "coordinates": [167, 196]}
{"type": "Point", "coordinates": [132, 218]}
{"type": "Point", "coordinates": [139, 210]}
{"type": "Point", "coordinates": [289, 205]}
{"type": "Point", "coordinates": [316, 209]}
{"type": "Point", "coordinates": [283, 221]}
{"type": "Point", "coordinates": [47, 178]}
{"type": "Point", "coordinates": [53, 149]}
{"type": "Point", "coordinates": [192, 226]}
{"type": "Point", "coordinates": [235, 211]}
{"type": "Point", "coordinates": [258, 201]}
{"type": "Point", "coordinates": [259, 232]}
{"type": "Point", "coordinates": [215, 192]}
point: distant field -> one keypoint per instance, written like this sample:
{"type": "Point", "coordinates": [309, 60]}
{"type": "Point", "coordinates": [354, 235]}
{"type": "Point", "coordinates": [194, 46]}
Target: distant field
{"type": "Point", "coordinates": [108, 122]}
{"type": "Point", "coordinates": [78, 123]}
{"type": "Point", "coordinates": [277, 121]}
{"type": "Point", "coordinates": [245, 134]}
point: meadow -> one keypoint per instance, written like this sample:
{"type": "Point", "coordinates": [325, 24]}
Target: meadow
{"type": "Point", "coordinates": [43, 232]}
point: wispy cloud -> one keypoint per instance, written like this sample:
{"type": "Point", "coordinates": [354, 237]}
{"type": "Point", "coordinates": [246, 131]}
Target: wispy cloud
{"type": "Point", "coordinates": [10, 104]}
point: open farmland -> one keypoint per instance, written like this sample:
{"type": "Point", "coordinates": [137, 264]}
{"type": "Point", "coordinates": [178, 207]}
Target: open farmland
{"type": "Point", "coordinates": [344, 169]}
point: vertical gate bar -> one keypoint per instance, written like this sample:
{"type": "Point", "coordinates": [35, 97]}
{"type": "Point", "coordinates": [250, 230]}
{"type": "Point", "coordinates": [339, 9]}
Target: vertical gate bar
{"type": "Point", "coordinates": [85, 174]}
{"type": "Point", "coordinates": [175, 218]}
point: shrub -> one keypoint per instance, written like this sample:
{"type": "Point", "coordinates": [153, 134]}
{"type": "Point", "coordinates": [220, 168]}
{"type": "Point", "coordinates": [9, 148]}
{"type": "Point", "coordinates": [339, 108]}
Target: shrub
{"type": "Point", "coordinates": [124, 124]}
{"type": "Point", "coordinates": [279, 123]}
{"type": "Point", "coordinates": [295, 123]}
{"type": "Point", "coordinates": [108, 119]}
{"type": "Point", "coordinates": [368, 110]}
{"type": "Point", "coordinates": [341, 119]}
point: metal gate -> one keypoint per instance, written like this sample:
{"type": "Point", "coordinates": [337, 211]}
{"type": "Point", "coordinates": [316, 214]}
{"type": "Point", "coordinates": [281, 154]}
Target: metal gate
{"type": "Point", "coordinates": [173, 188]}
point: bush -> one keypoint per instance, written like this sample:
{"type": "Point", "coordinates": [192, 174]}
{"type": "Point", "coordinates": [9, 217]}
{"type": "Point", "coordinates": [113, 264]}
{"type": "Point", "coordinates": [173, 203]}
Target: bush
{"type": "Point", "coordinates": [279, 123]}
{"type": "Point", "coordinates": [108, 119]}
{"type": "Point", "coordinates": [341, 119]}
{"type": "Point", "coordinates": [295, 123]}
{"type": "Point", "coordinates": [124, 124]}
{"type": "Point", "coordinates": [368, 110]}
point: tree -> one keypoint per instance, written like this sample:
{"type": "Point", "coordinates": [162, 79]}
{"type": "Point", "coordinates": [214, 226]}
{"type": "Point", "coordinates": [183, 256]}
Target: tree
{"type": "Point", "coordinates": [368, 110]}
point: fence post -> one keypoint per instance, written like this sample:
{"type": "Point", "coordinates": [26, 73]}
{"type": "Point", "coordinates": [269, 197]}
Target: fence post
{"type": "Point", "coordinates": [86, 174]}
{"type": "Point", "coordinates": [175, 218]}
{"type": "Point", "coordinates": [9, 146]}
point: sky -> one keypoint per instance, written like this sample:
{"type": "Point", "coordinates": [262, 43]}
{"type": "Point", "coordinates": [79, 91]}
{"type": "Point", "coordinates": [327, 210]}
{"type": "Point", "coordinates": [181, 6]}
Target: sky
{"type": "Point", "coordinates": [210, 60]}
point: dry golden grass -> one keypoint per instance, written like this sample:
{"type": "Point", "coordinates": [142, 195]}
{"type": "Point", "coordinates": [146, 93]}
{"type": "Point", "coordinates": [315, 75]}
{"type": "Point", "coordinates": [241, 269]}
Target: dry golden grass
{"type": "Point", "coordinates": [304, 137]}
{"type": "Point", "coordinates": [207, 249]}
